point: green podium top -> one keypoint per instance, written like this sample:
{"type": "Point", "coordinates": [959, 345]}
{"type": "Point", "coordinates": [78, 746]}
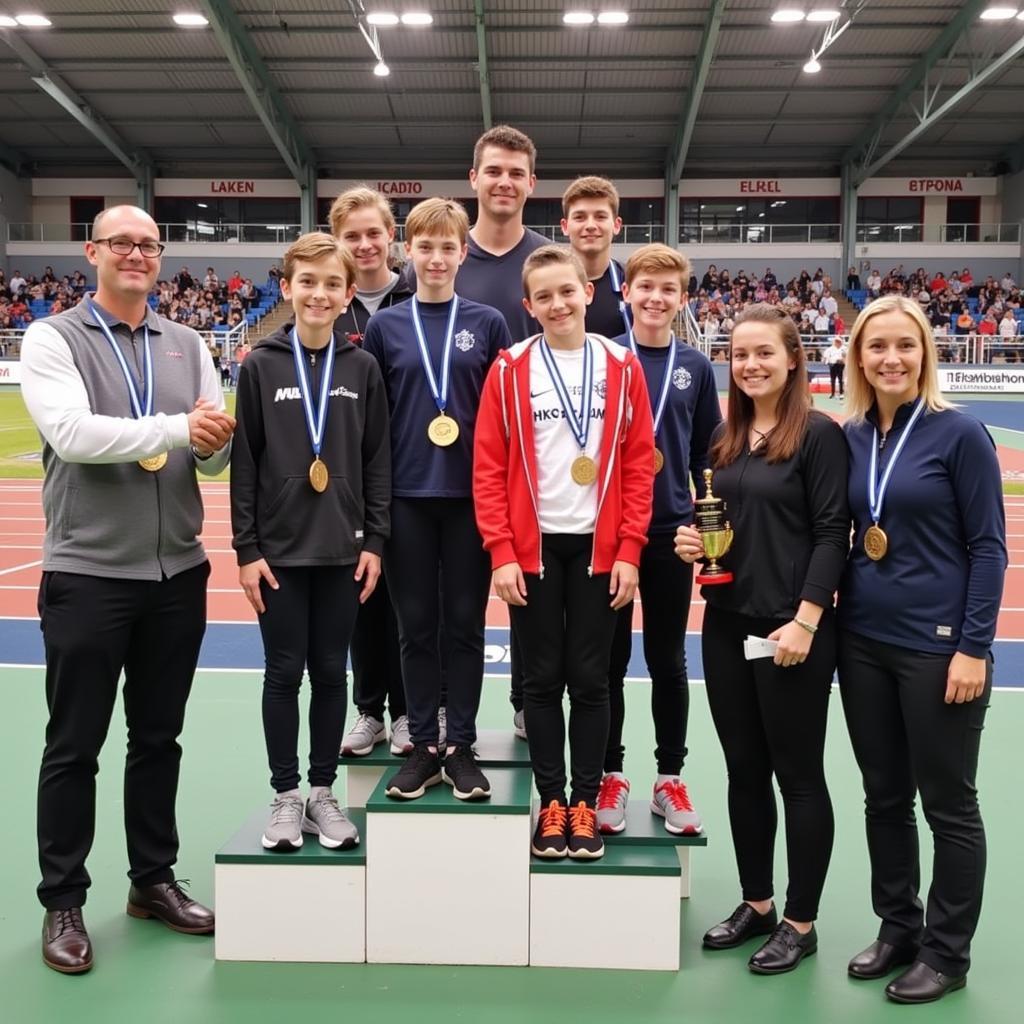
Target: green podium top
{"type": "Point", "coordinates": [617, 860]}
{"type": "Point", "coordinates": [244, 846]}
{"type": "Point", "coordinates": [495, 748]}
{"type": "Point", "coordinates": [510, 794]}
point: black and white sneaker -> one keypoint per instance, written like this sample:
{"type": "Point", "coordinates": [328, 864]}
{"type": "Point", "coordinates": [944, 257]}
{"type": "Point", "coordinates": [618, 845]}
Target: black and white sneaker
{"type": "Point", "coordinates": [420, 771]}
{"type": "Point", "coordinates": [550, 837]}
{"type": "Point", "coordinates": [463, 775]}
{"type": "Point", "coordinates": [585, 842]}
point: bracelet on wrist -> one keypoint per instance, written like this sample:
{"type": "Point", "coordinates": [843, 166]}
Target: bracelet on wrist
{"type": "Point", "coordinates": [804, 624]}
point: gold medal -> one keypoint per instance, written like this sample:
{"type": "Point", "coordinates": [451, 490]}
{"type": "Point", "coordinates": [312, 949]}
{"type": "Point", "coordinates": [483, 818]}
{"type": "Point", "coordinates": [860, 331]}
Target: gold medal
{"type": "Point", "coordinates": [583, 470]}
{"type": "Point", "coordinates": [154, 463]}
{"type": "Point", "coordinates": [659, 460]}
{"type": "Point", "coordinates": [318, 475]}
{"type": "Point", "coordinates": [443, 431]}
{"type": "Point", "coordinates": [876, 543]}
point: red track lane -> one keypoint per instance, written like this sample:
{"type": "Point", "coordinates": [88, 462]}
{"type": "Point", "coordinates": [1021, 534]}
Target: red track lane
{"type": "Point", "coordinates": [21, 536]}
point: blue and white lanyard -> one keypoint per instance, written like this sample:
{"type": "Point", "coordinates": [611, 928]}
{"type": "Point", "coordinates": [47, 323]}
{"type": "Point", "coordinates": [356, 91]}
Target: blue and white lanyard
{"type": "Point", "coordinates": [316, 419]}
{"type": "Point", "coordinates": [876, 487]}
{"type": "Point", "coordinates": [578, 424]}
{"type": "Point", "coordinates": [141, 405]}
{"type": "Point", "coordinates": [666, 380]}
{"type": "Point", "coordinates": [439, 393]}
{"type": "Point", "coordinates": [617, 288]}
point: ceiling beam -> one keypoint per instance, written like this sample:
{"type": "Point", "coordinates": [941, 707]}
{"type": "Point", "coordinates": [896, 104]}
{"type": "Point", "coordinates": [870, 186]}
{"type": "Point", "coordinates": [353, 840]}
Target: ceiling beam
{"type": "Point", "coordinates": [482, 69]}
{"type": "Point", "coordinates": [266, 100]}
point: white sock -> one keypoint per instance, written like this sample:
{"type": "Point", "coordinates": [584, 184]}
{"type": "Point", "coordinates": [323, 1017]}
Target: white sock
{"type": "Point", "coordinates": [316, 792]}
{"type": "Point", "coordinates": [290, 792]}
{"type": "Point", "coordinates": [659, 779]}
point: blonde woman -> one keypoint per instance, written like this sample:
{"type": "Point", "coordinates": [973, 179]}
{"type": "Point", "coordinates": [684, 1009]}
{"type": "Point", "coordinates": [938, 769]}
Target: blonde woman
{"type": "Point", "coordinates": [917, 615]}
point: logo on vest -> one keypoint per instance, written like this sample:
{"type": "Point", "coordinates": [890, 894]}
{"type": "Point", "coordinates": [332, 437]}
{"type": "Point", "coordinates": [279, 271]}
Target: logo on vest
{"type": "Point", "coordinates": [464, 341]}
{"type": "Point", "coordinates": [175, 355]}
{"type": "Point", "coordinates": [681, 378]}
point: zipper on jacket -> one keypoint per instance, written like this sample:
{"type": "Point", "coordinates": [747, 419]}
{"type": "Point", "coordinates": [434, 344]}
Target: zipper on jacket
{"type": "Point", "coordinates": [526, 468]}
{"type": "Point", "coordinates": [627, 373]}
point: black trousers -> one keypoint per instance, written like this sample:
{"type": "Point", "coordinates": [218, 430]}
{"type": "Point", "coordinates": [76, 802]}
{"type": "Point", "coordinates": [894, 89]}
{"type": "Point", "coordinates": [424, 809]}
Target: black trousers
{"type": "Point", "coordinates": [907, 740]}
{"type": "Point", "coordinates": [565, 634]}
{"type": "Point", "coordinates": [771, 721]}
{"type": "Point", "coordinates": [435, 546]}
{"type": "Point", "coordinates": [665, 585]}
{"type": "Point", "coordinates": [93, 627]}
{"type": "Point", "coordinates": [516, 658]}
{"type": "Point", "coordinates": [376, 662]}
{"type": "Point", "coordinates": [835, 376]}
{"type": "Point", "coordinates": [308, 623]}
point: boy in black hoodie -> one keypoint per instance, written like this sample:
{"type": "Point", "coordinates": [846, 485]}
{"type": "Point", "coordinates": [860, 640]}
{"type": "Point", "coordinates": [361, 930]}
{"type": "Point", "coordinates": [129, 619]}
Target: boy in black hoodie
{"type": "Point", "coordinates": [310, 496]}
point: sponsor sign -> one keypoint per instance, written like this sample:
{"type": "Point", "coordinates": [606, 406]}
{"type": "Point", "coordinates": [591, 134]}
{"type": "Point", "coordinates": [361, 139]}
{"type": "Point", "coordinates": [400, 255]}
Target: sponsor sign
{"type": "Point", "coordinates": [992, 379]}
{"type": "Point", "coordinates": [10, 371]}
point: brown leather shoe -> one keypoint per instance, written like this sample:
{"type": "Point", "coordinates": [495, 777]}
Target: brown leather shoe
{"type": "Point", "coordinates": [66, 945]}
{"type": "Point", "coordinates": [168, 902]}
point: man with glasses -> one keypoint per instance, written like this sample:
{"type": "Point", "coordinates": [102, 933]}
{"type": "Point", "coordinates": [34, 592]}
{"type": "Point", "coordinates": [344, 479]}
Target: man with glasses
{"type": "Point", "coordinates": [128, 407]}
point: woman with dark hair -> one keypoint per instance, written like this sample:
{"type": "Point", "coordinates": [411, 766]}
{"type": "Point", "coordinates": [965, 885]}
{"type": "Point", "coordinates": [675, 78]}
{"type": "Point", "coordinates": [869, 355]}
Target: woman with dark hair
{"type": "Point", "coordinates": [781, 468]}
{"type": "Point", "coordinates": [918, 607]}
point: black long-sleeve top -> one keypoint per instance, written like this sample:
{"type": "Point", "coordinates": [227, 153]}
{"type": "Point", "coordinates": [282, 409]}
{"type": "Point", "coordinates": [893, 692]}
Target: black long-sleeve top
{"type": "Point", "coordinates": [791, 523]}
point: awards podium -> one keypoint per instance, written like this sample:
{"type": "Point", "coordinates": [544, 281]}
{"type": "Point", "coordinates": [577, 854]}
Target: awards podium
{"type": "Point", "coordinates": [443, 881]}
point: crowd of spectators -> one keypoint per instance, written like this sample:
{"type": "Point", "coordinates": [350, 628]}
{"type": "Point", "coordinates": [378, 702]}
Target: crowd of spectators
{"type": "Point", "coordinates": [21, 298]}
{"type": "Point", "coordinates": [719, 296]}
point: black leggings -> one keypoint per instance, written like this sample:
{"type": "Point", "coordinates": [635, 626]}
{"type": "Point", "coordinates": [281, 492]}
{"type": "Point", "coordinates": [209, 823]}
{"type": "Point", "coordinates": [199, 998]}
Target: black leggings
{"type": "Point", "coordinates": [565, 634]}
{"type": "Point", "coordinates": [435, 544]}
{"type": "Point", "coordinates": [665, 584]}
{"type": "Point", "coordinates": [771, 721]}
{"type": "Point", "coordinates": [376, 664]}
{"type": "Point", "coordinates": [835, 376]}
{"type": "Point", "coordinates": [907, 740]}
{"type": "Point", "coordinates": [308, 622]}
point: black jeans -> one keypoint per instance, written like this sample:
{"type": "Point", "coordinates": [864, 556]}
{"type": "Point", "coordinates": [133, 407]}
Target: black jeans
{"type": "Point", "coordinates": [835, 376]}
{"type": "Point", "coordinates": [93, 627]}
{"type": "Point", "coordinates": [376, 663]}
{"type": "Point", "coordinates": [665, 585]}
{"type": "Point", "coordinates": [308, 623]}
{"type": "Point", "coordinates": [771, 721]}
{"type": "Point", "coordinates": [565, 634]}
{"type": "Point", "coordinates": [435, 545]}
{"type": "Point", "coordinates": [907, 740]}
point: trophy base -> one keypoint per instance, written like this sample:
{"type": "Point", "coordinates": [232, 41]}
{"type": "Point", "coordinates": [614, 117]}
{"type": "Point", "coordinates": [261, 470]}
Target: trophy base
{"type": "Point", "coordinates": [707, 579]}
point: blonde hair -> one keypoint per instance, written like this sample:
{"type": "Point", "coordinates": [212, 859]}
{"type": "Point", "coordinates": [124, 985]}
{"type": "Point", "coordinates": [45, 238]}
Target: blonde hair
{"type": "Point", "coordinates": [361, 197]}
{"type": "Point", "coordinates": [549, 255]}
{"type": "Point", "coordinates": [314, 247]}
{"type": "Point", "coordinates": [860, 396]}
{"type": "Point", "coordinates": [437, 217]}
{"type": "Point", "coordinates": [590, 187]}
{"type": "Point", "coordinates": [656, 259]}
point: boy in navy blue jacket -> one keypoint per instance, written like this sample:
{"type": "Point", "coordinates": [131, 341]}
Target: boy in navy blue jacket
{"type": "Point", "coordinates": [684, 401]}
{"type": "Point", "coordinates": [434, 352]}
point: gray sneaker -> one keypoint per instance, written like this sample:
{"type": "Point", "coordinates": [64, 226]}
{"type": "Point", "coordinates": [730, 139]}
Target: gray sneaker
{"type": "Point", "coordinates": [519, 724]}
{"type": "Point", "coordinates": [442, 728]}
{"type": "Point", "coordinates": [363, 737]}
{"type": "Point", "coordinates": [324, 818]}
{"type": "Point", "coordinates": [612, 798]}
{"type": "Point", "coordinates": [401, 739]}
{"type": "Point", "coordinates": [671, 802]}
{"type": "Point", "coordinates": [284, 832]}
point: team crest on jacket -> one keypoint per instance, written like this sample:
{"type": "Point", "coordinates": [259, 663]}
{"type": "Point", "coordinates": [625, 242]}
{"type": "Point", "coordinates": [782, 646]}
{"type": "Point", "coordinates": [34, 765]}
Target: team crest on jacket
{"type": "Point", "coordinates": [681, 378]}
{"type": "Point", "coordinates": [464, 341]}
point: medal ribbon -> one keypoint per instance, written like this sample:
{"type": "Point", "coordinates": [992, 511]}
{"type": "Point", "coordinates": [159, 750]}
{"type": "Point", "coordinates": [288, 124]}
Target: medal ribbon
{"type": "Point", "coordinates": [617, 288]}
{"type": "Point", "coordinates": [876, 487]}
{"type": "Point", "coordinates": [666, 380]}
{"type": "Point", "coordinates": [316, 419]}
{"type": "Point", "coordinates": [579, 425]}
{"type": "Point", "coordinates": [141, 405]}
{"type": "Point", "coordinates": [440, 394]}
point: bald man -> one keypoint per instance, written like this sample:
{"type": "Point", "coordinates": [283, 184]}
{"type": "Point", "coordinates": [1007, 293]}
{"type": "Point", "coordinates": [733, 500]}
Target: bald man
{"type": "Point", "coordinates": [129, 407]}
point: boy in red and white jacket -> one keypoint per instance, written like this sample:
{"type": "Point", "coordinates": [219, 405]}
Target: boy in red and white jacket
{"type": "Point", "coordinates": [563, 476]}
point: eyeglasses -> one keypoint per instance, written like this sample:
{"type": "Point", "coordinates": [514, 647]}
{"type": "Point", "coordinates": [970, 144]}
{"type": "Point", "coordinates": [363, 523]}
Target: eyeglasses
{"type": "Point", "coordinates": [125, 246]}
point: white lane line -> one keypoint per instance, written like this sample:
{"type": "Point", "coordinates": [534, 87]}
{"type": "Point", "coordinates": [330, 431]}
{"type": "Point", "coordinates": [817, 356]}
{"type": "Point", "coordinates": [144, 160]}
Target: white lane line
{"type": "Point", "coordinates": [18, 568]}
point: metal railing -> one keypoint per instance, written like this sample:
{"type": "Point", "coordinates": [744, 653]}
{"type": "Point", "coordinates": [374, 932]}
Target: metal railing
{"type": "Point", "coordinates": [190, 231]}
{"type": "Point", "coordinates": [940, 233]}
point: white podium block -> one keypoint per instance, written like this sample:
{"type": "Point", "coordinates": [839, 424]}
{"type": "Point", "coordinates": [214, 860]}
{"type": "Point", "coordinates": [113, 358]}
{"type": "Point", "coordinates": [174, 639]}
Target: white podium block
{"type": "Point", "coordinates": [305, 906]}
{"type": "Point", "coordinates": [449, 880]}
{"type": "Point", "coordinates": [621, 911]}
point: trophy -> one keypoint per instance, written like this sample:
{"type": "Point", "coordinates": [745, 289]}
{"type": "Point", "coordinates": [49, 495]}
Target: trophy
{"type": "Point", "coordinates": [715, 532]}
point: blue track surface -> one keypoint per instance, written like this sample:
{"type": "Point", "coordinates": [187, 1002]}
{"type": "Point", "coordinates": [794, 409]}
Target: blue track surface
{"type": "Point", "coordinates": [238, 646]}
{"type": "Point", "coordinates": [1009, 415]}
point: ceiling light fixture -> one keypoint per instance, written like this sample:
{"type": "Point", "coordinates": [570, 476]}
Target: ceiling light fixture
{"type": "Point", "coordinates": [382, 19]}
{"type": "Point", "coordinates": [189, 19]}
{"type": "Point", "coordinates": [788, 15]}
{"type": "Point", "coordinates": [381, 70]}
{"type": "Point", "coordinates": [998, 12]}
{"type": "Point", "coordinates": [33, 20]}
{"type": "Point", "coordinates": [6, 21]}
{"type": "Point", "coordinates": [813, 66]}
{"type": "Point", "coordinates": [577, 18]}
{"type": "Point", "coordinates": [612, 18]}
{"type": "Point", "coordinates": [823, 14]}
{"type": "Point", "coordinates": [417, 19]}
